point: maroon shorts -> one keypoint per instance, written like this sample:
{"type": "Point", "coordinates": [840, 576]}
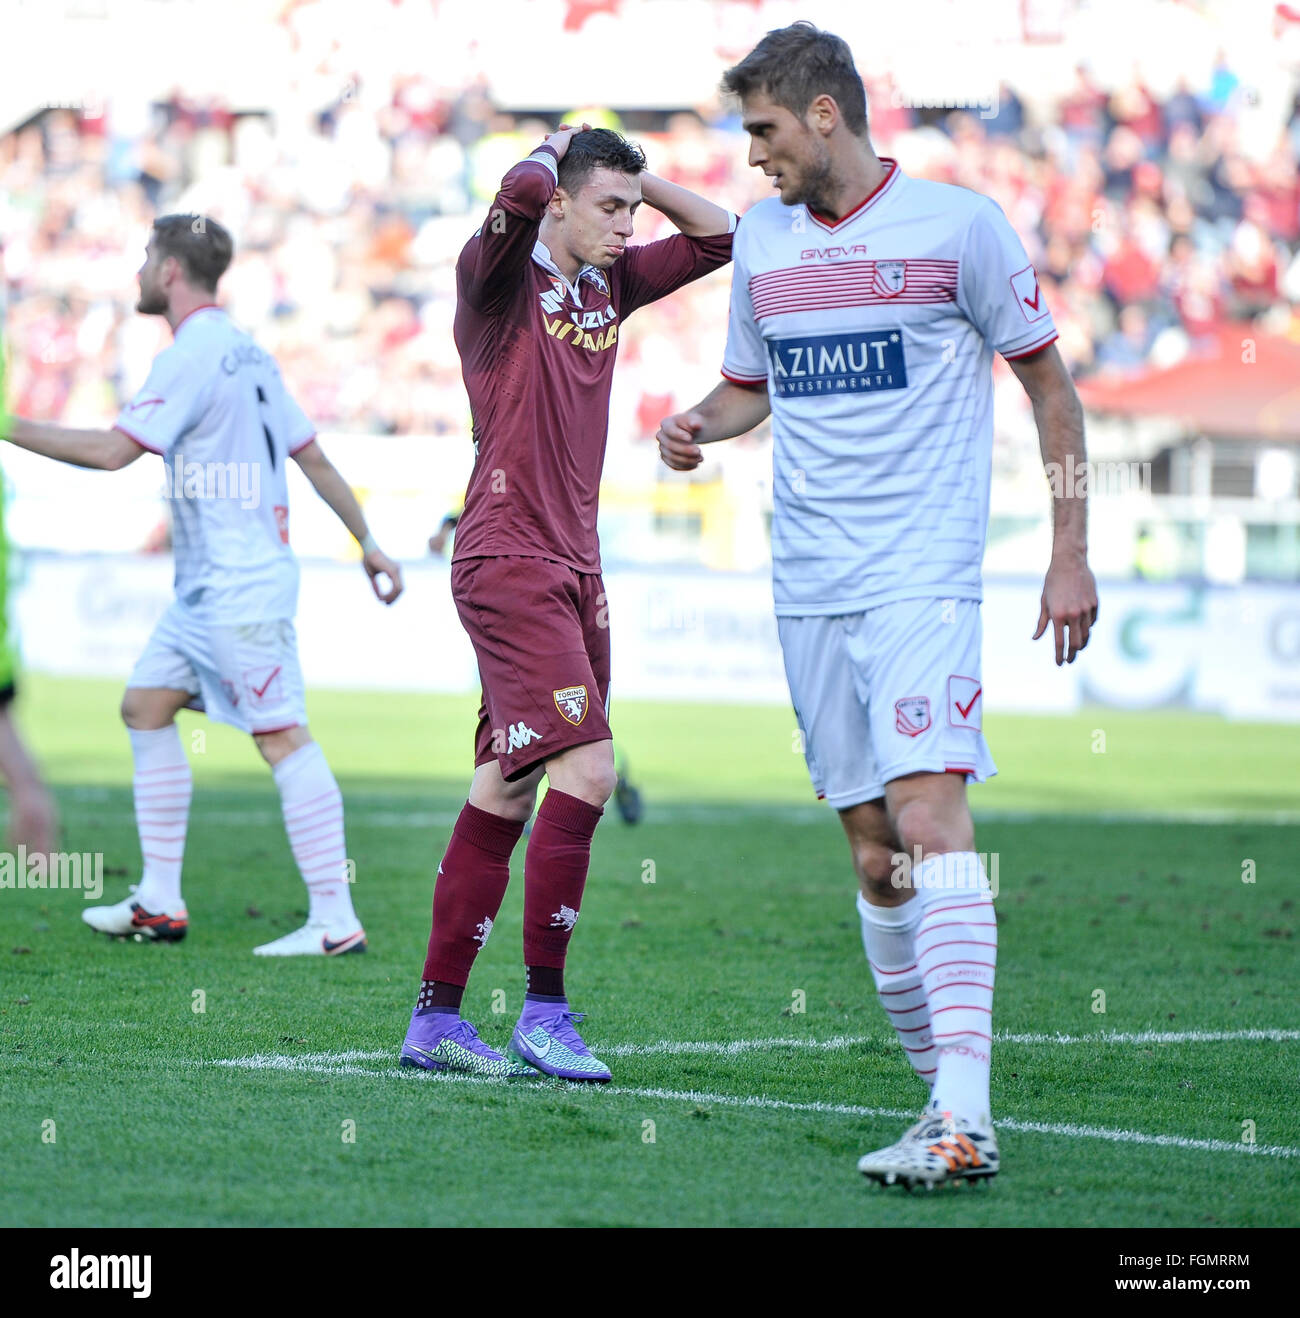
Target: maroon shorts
{"type": "Point", "coordinates": [541, 634]}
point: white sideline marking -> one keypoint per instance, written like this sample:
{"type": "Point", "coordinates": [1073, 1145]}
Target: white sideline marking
{"type": "Point", "coordinates": [675, 1047]}
{"type": "Point", "coordinates": [1026, 1127]}
{"type": "Point", "coordinates": [680, 812]}
{"type": "Point", "coordinates": [308, 1063]}
{"type": "Point", "coordinates": [1159, 1036]}
{"type": "Point", "coordinates": [302, 1061]}
{"type": "Point", "coordinates": [709, 1047]}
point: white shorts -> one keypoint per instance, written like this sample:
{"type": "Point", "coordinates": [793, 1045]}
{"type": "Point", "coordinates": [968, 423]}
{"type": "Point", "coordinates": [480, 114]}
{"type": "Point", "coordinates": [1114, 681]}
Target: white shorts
{"type": "Point", "coordinates": [245, 675]}
{"type": "Point", "coordinates": [887, 692]}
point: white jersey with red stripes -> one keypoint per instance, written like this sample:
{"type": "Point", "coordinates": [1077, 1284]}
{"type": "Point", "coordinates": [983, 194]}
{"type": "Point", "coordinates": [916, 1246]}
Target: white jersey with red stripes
{"type": "Point", "coordinates": [874, 337]}
{"type": "Point", "coordinates": [217, 411]}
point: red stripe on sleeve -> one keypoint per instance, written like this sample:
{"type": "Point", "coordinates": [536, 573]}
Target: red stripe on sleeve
{"type": "Point", "coordinates": [1029, 352]}
{"type": "Point", "coordinates": [760, 383]}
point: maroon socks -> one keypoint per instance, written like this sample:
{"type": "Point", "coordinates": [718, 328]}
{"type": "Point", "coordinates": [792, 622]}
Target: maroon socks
{"type": "Point", "coordinates": [471, 884]}
{"type": "Point", "coordinates": [555, 873]}
{"type": "Point", "coordinates": [472, 881]}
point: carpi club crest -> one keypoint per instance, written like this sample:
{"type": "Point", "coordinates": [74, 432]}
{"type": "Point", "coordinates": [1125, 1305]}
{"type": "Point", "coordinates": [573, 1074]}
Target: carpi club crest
{"type": "Point", "coordinates": [912, 715]}
{"type": "Point", "coordinates": [890, 277]}
{"type": "Point", "coordinates": [572, 704]}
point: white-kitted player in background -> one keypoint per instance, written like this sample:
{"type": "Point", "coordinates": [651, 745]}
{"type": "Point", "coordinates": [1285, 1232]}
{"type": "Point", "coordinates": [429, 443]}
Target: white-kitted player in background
{"type": "Point", "coordinates": [866, 308]}
{"type": "Point", "coordinates": [217, 411]}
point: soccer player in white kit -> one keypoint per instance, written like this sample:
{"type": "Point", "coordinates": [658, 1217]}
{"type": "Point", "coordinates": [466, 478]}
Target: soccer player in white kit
{"type": "Point", "coordinates": [866, 307]}
{"type": "Point", "coordinates": [216, 410]}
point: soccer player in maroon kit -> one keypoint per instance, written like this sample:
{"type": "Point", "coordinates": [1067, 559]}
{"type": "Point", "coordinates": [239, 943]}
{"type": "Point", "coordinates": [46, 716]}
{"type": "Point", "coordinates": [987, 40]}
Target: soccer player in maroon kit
{"type": "Point", "coordinates": [543, 289]}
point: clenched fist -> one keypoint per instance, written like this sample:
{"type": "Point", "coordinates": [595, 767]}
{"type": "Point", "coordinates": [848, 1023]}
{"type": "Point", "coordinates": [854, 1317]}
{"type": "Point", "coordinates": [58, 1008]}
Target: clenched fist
{"type": "Point", "coordinates": [677, 446]}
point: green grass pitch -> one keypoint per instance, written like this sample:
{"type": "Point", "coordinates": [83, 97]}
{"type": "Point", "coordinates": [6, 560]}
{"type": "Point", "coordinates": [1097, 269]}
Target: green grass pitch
{"type": "Point", "coordinates": [1122, 843]}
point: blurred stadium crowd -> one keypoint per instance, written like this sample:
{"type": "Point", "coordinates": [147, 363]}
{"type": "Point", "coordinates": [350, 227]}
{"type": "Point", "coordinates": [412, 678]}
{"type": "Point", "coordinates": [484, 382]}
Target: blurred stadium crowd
{"type": "Point", "coordinates": [1147, 220]}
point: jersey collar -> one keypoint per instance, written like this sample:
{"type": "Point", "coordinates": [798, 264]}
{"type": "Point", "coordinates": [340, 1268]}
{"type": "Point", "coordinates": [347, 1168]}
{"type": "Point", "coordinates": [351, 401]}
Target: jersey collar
{"type": "Point", "coordinates": [542, 255]}
{"type": "Point", "coordinates": [886, 186]}
{"type": "Point", "coordinates": [207, 306]}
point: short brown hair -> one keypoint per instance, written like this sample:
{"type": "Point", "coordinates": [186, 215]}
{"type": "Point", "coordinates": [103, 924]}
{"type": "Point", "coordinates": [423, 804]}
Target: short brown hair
{"type": "Point", "coordinates": [794, 65]}
{"type": "Point", "coordinates": [593, 149]}
{"type": "Point", "coordinates": [202, 246]}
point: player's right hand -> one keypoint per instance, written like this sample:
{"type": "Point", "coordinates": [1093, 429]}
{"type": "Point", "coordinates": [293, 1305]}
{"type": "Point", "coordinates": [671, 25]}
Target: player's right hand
{"type": "Point", "coordinates": [677, 446]}
{"type": "Point", "coordinates": [562, 136]}
{"type": "Point", "coordinates": [1069, 604]}
{"type": "Point", "coordinates": [378, 564]}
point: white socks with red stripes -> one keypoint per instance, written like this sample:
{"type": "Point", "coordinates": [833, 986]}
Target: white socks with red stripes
{"type": "Point", "coordinates": [956, 953]}
{"type": "Point", "coordinates": [163, 787]}
{"type": "Point", "coordinates": [888, 938]}
{"type": "Point", "coordinates": [313, 818]}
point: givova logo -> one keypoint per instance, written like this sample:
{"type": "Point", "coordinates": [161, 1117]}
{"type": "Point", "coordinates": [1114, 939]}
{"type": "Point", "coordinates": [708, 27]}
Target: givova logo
{"type": "Point", "coordinates": [861, 362]}
{"type": "Point", "coordinates": [97, 1272]}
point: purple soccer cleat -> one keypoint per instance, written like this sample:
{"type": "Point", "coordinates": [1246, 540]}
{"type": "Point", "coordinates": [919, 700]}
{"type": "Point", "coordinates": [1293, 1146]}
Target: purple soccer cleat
{"type": "Point", "coordinates": [441, 1041]}
{"type": "Point", "coordinates": [545, 1039]}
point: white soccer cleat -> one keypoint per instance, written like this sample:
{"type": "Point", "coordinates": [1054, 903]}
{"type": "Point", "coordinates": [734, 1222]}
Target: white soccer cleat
{"type": "Point", "coordinates": [935, 1151]}
{"type": "Point", "coordinates": [314, 940]}
{"type": "Point", "coordinates": [128, 919]}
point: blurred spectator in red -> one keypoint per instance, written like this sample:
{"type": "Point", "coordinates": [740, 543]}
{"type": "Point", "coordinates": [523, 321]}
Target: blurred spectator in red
{"type": "Point", "coordinates": [1252, 267]}
{"type": "Point", "coordinates": [1130, 274]}
{"type": "Point", "coordinates": [1083, 111]}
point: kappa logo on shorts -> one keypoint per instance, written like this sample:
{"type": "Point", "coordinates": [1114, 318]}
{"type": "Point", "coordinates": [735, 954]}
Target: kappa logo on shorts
{"type": "Point", "coordinates": [912, 715]}
{"type": "Point", "coordinates": [572, 704]}
{"type": "Point", "coordinates": [263, 683]}
{"type": "Point", "coordinates": [964, 708]}
{"type": "Point", "coordinates": [520, 735]}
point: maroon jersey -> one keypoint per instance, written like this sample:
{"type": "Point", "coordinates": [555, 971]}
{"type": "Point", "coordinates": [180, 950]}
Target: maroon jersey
{"type": "Point", "coordinates": [537, 354]}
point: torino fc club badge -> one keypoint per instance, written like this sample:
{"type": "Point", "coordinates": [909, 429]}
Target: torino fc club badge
{"type": "Point", "coordinates": [912, 715]}
{"type": "Point", "coordinates": [572, 703]}
{"type": "Point", "coordinates": [890, 277]}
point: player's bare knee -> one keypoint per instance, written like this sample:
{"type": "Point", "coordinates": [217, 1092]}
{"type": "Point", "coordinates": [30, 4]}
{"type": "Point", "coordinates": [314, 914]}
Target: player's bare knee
{"type": "Point", "coordinates": [874, 862]}
{"type": "Point", "coordinates": [932, 827]}
{"type": "Point", "coordinates": [517, 800]}
{"type": "Point", "coordinates": [143, 711]}
{"type": "Point", "coordinates": [134, 708]}
{"type": "Point", "coordinates": [507, 805]}
{"type": "Point", "coordinates": [276, 746]}
{"type": "Point", "coordinates": [594, 783]}
{"type": "Point", "coordinates": [491, 793]}
{"type": "Point", "coordinates": [586, 772]}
